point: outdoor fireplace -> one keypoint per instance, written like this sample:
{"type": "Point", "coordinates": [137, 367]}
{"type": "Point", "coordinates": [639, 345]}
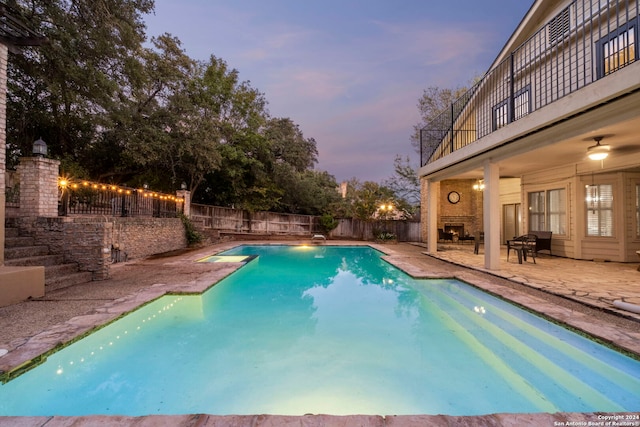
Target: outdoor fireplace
{"type": "Point", "coordinates": [457, 229]}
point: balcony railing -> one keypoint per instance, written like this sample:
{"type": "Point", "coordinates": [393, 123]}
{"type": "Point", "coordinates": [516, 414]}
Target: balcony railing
{"type": "Point", "coordinates": [88, 198]}
{"type": "Point", "coordinates": [584, 42]}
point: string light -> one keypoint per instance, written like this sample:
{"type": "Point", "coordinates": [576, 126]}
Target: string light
{"type": "Point", "coordinates": [65, 183]}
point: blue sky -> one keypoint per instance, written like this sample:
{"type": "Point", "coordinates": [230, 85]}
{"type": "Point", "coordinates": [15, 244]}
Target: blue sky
{"type": "Point", "coordinates": [348, 72]}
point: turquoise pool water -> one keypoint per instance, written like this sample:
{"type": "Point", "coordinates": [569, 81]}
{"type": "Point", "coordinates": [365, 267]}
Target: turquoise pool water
{"type": "Point", "coordinates": [332, 330]}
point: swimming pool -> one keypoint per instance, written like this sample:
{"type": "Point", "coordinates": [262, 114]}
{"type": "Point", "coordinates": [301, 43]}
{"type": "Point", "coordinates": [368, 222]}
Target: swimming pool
{"type": "Point", "coordinates": [331, 330]}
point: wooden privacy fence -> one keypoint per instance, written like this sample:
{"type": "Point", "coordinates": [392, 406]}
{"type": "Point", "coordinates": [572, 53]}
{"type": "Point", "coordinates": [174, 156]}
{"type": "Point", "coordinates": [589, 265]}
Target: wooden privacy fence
{"type": "Point", "coordinates": [351, 228]}
{"type": "Point", "coordinates": [239, 221]}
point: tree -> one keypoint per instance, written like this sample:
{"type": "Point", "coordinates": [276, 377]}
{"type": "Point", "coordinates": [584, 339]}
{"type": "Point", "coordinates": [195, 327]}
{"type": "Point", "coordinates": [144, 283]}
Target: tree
{"type": "Point", "coordinates": [59, 91]}
{"type": "Point", "coordinates": [308, 192]}
{"type": "Point", "coordinates": [114, 110]}
{"type": "Point", "coordinates": [433, 102]}
{"type": "Point", "coordinates": [405, 183]}
{"type": "Point", "coordinates": [289, 145]}
{"type": "Point", "coordinates": [363, 200]}
{"type": "Point", "coordinates": [146, 127]}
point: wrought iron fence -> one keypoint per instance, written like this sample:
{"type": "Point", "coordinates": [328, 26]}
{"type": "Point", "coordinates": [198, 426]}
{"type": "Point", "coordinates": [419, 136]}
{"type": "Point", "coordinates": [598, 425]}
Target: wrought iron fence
{"type": "Point", "coordinates": [89, 198]}
{"type": "Point", "coordinates": [584, 42]}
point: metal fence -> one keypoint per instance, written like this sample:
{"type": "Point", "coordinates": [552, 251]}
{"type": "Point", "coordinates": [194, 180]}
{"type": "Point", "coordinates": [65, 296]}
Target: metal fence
{"type": "Point", "coordinates": [584, 42]}
{"type": "Point", "coordinates": [87, 198]}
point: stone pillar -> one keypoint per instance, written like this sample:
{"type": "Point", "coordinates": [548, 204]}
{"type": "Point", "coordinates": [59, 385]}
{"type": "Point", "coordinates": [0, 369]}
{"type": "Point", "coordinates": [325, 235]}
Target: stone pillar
{"type": "Point", "coordinates": [38, 187]}
{"type": "Point", "coordinates": [3, 139]}
{"type": "Point", "coordinates": [186, 195]}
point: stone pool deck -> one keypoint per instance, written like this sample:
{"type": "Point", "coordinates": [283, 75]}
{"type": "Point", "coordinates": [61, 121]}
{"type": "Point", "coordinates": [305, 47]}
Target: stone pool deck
{"type": "Point", "coordinates": [578, 293]}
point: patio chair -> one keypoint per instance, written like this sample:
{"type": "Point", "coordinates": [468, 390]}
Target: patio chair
{"type": "Point", "coordinates": [523, 245]}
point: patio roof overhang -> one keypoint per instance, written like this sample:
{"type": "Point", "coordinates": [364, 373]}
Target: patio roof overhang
{"type": "Point", "coordinates": [14, 32]}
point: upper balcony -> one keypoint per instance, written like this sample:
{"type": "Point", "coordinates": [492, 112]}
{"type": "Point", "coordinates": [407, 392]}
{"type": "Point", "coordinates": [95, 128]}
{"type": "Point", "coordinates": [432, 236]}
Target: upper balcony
{"type": "Point", "coordinates": [588, 41]}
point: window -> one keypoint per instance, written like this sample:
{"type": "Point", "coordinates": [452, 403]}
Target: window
{"type": "Point", "coordinates": [536, 211]}
{"type": "Point", "coordinates": [521, 103]}
{"type": "Point", "coordinates": [500, 115]}
{"type": "Point", "coordinates": [617, 50]}
{"type": "Point", "coordinates": [599, 202]}
{"type": "Point", "coordinates": [548, 211]}
{"type": "Point", "coordinates": [521, 107]}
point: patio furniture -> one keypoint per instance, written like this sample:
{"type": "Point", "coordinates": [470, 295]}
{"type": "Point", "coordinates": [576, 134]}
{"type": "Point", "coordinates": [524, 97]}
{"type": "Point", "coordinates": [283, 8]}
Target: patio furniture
{"type": "Point", "coordinates": [444, 236]}
{"type": "Point", "coordinates": [543, 241]}
{"type": "Point", "coordinates": [465, 238]}
{"type": "Point", "coordinates": [522, 245]}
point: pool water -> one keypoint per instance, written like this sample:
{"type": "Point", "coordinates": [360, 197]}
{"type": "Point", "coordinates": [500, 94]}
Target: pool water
{"type": "Point", "coordinates": [333, 330]}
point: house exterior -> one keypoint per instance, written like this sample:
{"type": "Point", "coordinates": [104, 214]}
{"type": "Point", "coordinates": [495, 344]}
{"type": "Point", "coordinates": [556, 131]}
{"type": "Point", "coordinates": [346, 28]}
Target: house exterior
{"type": "Point", "coordinates": [568, 79]}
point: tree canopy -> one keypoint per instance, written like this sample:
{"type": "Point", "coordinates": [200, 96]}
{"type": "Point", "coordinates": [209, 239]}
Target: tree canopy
{"type": "Point", "coordinates": [116, 107]}
{"type": "Point", "coordinates": [433, 102]}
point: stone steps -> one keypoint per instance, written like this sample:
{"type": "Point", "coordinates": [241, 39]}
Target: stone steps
{"type": "Point", "coordinates": [45, 260]}
{"type": "Point", "coordinates": [11, 232]}
{"type": "Point", "coordinates": [17, 252]}
{"type": "Point", "coordinates": [13, 242]}
{"type": "Point", "coordinates": [22, 251]}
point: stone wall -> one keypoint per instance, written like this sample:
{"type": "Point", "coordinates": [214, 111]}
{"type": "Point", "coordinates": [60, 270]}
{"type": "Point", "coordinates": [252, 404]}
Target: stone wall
{"type": "Point", "coordinates": [467, 213]}
{"type": "Point", "coordinates": [91, 241]}
{"type": "Point", "coordinates": [141, 237]}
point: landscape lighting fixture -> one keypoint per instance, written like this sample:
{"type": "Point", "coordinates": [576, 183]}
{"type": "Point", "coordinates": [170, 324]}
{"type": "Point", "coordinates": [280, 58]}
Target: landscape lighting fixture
{"type": "Point", "coordinates": [39, 148]}
{"type": "Point", "coordinates": [598, 152]}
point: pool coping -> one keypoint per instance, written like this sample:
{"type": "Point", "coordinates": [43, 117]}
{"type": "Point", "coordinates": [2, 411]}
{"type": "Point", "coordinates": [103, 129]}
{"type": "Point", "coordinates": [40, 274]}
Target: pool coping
{"type": "Point", "coordinates": [39, 346]}
{"type": "Point", "coordinates": [321, 420]}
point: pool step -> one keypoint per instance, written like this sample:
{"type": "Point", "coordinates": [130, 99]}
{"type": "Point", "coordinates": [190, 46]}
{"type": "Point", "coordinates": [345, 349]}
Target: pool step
{"type": "Point", "coordinates": [21, 250]}
{"type": "Point", "coordinates": [538, 351]}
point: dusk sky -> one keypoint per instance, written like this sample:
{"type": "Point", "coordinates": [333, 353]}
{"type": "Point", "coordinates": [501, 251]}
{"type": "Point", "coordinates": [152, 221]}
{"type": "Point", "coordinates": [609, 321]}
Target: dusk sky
{"type": "Point", "coordinates": [348, 72]}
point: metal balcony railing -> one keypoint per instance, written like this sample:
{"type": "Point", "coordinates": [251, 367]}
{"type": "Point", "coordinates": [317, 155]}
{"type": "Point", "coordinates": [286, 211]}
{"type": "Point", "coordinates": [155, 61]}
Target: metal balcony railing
{"type": "Point", "coordinates": [586, 41]}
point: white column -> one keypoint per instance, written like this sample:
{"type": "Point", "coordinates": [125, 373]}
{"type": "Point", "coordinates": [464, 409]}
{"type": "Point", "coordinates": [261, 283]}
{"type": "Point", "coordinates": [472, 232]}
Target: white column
{"type": "Point", "coordinates": [433, 190]}
{"type": "Point", "coordinates": [491, 210]}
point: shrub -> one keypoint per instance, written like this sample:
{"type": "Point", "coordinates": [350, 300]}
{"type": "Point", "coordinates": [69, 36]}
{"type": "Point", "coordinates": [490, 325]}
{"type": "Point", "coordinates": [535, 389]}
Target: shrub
{"type": "Point", "coordinates": [327, 223]}
{"type": "Point", "coordinates": [191, 233]}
